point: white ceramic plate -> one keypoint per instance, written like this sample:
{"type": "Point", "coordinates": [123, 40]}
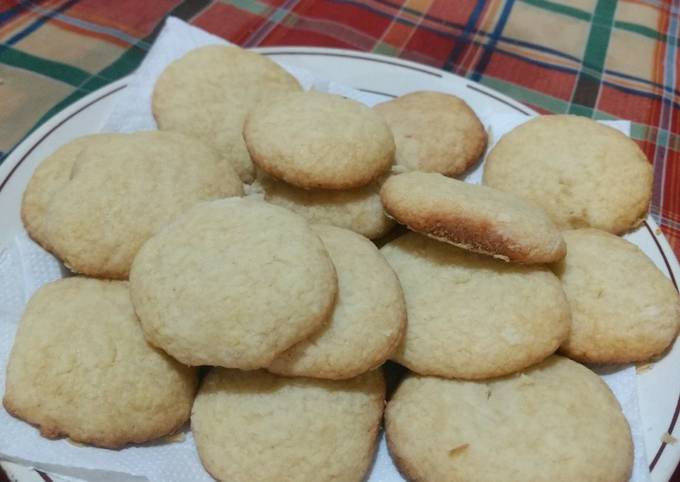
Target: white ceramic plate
{"type": "Point", "coordinates": [658, 387]}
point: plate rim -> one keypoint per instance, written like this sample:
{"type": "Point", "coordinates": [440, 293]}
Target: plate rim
{"type": "Point", "coordinates": [23, 149]}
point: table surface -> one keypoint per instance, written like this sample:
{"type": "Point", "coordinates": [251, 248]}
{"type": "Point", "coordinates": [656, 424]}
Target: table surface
{"type": "Point", "coordinates": [597, 58]}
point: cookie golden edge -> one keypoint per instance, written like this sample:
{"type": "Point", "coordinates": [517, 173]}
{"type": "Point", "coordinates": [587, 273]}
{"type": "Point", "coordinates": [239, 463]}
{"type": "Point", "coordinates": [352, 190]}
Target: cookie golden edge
{"type": "Point", "coordinates": [476, 235]}
{"type": "Point", "coordinates": [53, 430]}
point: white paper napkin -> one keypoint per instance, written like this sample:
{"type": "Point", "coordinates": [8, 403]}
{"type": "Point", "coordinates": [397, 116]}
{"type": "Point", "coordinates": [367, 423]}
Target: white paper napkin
{"type": "Point", "coordinates": [24, 267]}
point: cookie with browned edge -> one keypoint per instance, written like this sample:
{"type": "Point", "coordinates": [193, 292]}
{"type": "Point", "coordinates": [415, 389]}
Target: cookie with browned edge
{"type": "Point", "coordinates": [472, 217]}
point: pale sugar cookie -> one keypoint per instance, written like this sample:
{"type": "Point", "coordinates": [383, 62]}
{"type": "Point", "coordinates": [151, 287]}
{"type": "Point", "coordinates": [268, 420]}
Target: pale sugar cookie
{"type": "Point", "coordinates": [555, 422]}
{"type": "Point", "coordinates": [434, 132]}
{"type": "Point", "coordinates": [233, 283]}
{"type": "Point", "coordinates": [80, 367]}
{"type": "Point", "coordinates": [623, 308]}
{"type": "Point", "coordinates": [122, 189]}
{"type": "Point", "coordinates": [472, 316]}
{"type": "Point", "coordinates": [256, 427]}
{"type": "Point", "coordinates": [316, 140]}
{"type": "Point", "coordinates": [208, 92]}
{"type": "Point", "coordinates": [367, 323]}
{"type": "Point", "coordinates": [583, 173]}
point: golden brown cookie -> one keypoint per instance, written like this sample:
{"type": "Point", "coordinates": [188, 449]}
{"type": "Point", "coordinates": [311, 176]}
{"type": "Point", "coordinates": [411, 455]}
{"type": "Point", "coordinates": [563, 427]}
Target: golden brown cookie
{"type": "Point", "coordinates": [472, 217]}
{"type": "Point", "coordinates": [434, 132]}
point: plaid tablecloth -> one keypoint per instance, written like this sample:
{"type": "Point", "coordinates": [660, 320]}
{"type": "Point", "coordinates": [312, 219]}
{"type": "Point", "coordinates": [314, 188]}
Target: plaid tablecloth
{"type": "Point", "coordinates": [598, 58]}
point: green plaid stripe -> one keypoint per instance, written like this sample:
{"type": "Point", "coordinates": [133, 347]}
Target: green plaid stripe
{"type": "Point", "coordinates": [56, 70]}
{"type": "Point", "coordinates": [561, 8]}
{"type": "Point", "coordinates": [587, 85]}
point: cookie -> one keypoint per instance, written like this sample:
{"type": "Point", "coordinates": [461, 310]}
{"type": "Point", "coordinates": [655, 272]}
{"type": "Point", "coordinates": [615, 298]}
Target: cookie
{"type": "Point", "coordinates": [255, 426]}
{"type": "Point", "coordinates": [583, 173]}
{"type": "Point", "coordinates": [125, 187]}
{"type": "Point", "coordinates": [358, 210]}
{"type": "Point", "coordinates": [208, 92]}
{"type": "Point", "coordinates": [50, 176]}
{"type": "Point", "coordinates": [434, 132]}
{"type": "Point", "coordinates": [472, 316]}
{"type": "Point", "coordinates": [368, 320]}
{"type": "Point", "coordinates": [80, 367]}
{"type": "Point", "coordinates": [316, 140]}
{"type": "Point", "coordinates": [232, 283]}
{"type": "Point", "coordinates": [623, 308]}
{"type": "Point", "coordinates": [557, 421]}
{"type": "Point", "coordinates": [476, 218]}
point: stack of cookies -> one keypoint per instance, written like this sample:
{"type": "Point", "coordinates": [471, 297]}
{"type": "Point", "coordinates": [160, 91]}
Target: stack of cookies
{"type": "Point", "coordinates": [324, 157]}
{"type": "Point", "coordinates": [295, 310]}
{"type": "Point", "coordinates": [496, 279]}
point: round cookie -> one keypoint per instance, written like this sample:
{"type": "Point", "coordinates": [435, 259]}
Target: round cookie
{"type": "Point", "coordinates": [434, 132]}
{"type": "Point", "coordinates": [472, 316]}
{"type": "Point", "coordinates": [369, 317]}
{"type": "Point", "coordinates": [623, 308]}
{"type": "Point", "coordinates": [584, 174]}
{"type": "Point", "coordinates": [255, 426]}
{"type": "Point", "coordinates": [557, 421]}
{"type": "Point", "coordinates": [50, 176]}
{"type": "Point", "coordinates": [358, 210]}
{"type": "Point", "coordinates": [232, 283]}
{"type": "Point", "coordinates": [208, 92]}
{"type": "Point", "coordinates": [80, 367]}
{"type": "Point", "coordinates": [122, 190]}
{"type": "Point", "coordinates": [476, 218]}
{"type": "Point", "coordinates": [316, 140]}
